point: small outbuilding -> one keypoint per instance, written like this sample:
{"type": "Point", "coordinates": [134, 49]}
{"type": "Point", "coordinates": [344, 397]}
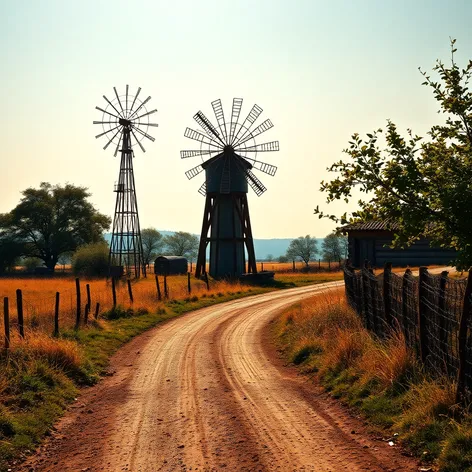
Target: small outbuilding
{"type": "Point", "coordinates": [371, 241]}
{"type": "Point", "coordinates": [170, 265]}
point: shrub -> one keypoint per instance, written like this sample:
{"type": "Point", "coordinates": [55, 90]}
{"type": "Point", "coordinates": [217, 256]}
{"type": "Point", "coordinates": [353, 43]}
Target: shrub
{"type": "Point", "coordinates": [91, 260]}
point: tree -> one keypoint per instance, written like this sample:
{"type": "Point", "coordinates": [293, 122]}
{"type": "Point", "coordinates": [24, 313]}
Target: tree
{"type": "Point", "coordinates": [303, 247]}
{"type": "Point", "coordinates": [420, 187]}
{"type": "Point", "coordinates": [269, 258]}
{"type": "Point", "coordinates": [153, 244]}
{"type": "Point", "coordinates": [282, 259]}
{"type": "Point", "coordinates": [91, 260]}
{"type": "Point", "coordinates": [334, 247]}
{"type": "Point", "coordinates": [182, 244]}
{"type": "Point", "coordinates": [52, 220]}
{"type": "Point", "coordinates": [10, 252]}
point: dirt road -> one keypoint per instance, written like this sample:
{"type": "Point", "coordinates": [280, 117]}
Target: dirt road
{"type": "Point", "coordinates": [205, 392]}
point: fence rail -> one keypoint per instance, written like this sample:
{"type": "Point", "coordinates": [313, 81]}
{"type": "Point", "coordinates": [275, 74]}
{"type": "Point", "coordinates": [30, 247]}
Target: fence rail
{"type": "Point", "coordinates": [434, 313]}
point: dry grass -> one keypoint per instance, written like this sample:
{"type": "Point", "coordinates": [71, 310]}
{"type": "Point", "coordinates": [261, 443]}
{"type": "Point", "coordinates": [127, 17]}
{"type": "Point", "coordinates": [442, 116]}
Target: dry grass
{"type": "Point", "coordinates": [39, 296]}
{"type": "Point", "coordinates": [383, 379]}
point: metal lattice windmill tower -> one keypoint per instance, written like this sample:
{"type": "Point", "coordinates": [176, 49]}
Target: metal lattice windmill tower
{"type": "Point", "coordinates": [125, 123]}
{"type": "Point", "coordinates": [229, 154]}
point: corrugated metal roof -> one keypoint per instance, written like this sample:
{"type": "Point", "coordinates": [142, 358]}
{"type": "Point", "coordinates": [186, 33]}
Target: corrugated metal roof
{"type": "Point", "coordinates": [374, 225]}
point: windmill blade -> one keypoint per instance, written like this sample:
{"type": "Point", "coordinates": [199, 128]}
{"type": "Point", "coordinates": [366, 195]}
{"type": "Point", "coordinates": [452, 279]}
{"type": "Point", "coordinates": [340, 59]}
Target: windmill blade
{"type": "Point", "coordinates": [107, 131]}
{"type": "Point", "coordinates": [138, 141]}
{"type": "Point", "coordinates": [220, 117]}
{"type": "Point", "coordinates": [119, 101]}
{"type": "Point", "coordinates": [143, 133]}
{"type": "Point", "coordinates": [150, 124]}
{"type": "Point", "coordinates": [268, 169]}
{"type": "Point", "coordinates": [127, 88]}
{"type": "Point", "coordinates": [145, 114]}
{"type": "Point", "coordinates": [118, 145]}
{"type": "Point", "coordinates": [266, 125]}
{"type": "Point", "coordinates": [109, 142]}
{"type": "Point", "coordinates": [111, 104]}
{"type": "Point", "coordinates": [105, 122]}
{"type": "Point", "coordinates": [255, 183]}
{"type": "Point", "coordinates": [235, 111]}
{"type": "Point", "coordinates": [252, 180]}
{"type": "Point", "coordinates": [265, 147]}
{"type": "Point", "coordinates": [256, 110]}
{"type": "Point", "coordinates": [200, 137]}
{"type": "Point", "coordinates": [205, 123]}
{"type": "Point", "coordinates": [134, 100]}
{"type": "Point", "coordinates": [139, 108]}
{"type": "Point", "coordinates": [194, 172]}
{"type": "Point", "coordinates": [107, 112]}
{"type": "Point", "coordinates": [195, 153]}
{"type": "Point", "coordinates": [203, 189]}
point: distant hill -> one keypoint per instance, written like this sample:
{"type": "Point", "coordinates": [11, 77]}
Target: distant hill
{"type": "Point", "coordinates": [263, 247]}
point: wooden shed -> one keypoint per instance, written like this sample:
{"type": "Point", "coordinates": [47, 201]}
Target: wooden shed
{"type": "Point", "coordinates": [371, 240]}
{"type": "Point", "coordinates": [170, 265]}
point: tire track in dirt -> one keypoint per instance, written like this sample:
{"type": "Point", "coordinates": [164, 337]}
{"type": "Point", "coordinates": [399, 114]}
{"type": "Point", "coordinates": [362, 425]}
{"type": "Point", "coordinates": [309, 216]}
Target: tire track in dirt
{"type": "Point", "coordinates": [202, 393]}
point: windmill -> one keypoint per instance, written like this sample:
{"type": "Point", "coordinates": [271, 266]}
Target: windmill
{"type": "Point", "coordinates": [229, 155]}
{"type": "Point", "coordinates": [125, 123]}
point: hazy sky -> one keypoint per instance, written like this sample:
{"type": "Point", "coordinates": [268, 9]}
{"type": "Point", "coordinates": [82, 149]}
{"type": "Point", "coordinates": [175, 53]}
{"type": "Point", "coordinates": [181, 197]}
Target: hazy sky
{"type": "Point", "coordinates": [320, 70]}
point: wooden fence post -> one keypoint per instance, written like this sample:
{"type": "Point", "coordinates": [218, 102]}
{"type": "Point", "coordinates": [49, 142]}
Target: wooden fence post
{"type": "Point", "coordinates": [422, 309]}
{"type": "Point", "coordinates": [387, 294]}
{"type": "Point", "coordinates": [97, 309]}
{"type": "Point", "coordinates": [77, 290]}
{"type": "Point", "coordinates": [166, 290]}
{"type": "Point", "coordinates": [89, 298]}
{"type": "Point", "coordinates": [130, 291]}
{"type": "Point", "coordinates": [189, 287]}
{"type": "Point", "coordinates": [443, 344]}
{"type": "Point", "coordinates": [159, 296]}
{"type": "Point", "coordinates": [206, 281]}
{"type": "Point", "coordinates": [463, 327]}
{"type": "Point", "coordinates": [293, 265]}
{"type": "Point", "coordinates": [365, 295]}
{"type": "Point", "coordinates": [6, 322]}
{"type": "Point", "coordinates": [113, 291]}
{"type": "Point", "coordinates": [406, 322]}
{"type": "Point", "coordinates": [19, 310]}
{"type": "Point", "coordinates": [56, 315]}
{"type": "Point", "coordinates": [373, 306]}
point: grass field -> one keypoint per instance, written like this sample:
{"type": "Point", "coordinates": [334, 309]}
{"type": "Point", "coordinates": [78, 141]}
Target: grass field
{"type": "Point", "coordinates": [381, 379]}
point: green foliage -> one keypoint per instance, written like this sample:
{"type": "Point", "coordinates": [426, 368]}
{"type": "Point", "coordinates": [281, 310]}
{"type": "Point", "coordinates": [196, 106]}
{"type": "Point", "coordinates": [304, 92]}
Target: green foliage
{"type": "Point", "coordinates": [420, 185]}
{"type": "Point", "coordinates": [334, 247]}
{"type": "Point", "coordinates": [153, 244]}
{"type": "Point", "coordinates": [10, 250]}
{"type": "Point", "coordinates": [304, 247]}
{"type": "Point", "coordinates": [91, 260]}
{"type": "Point", "coordinates": [283, 259]}
{"type": "Point", "coordinates": [53, 220]}
{"type": "Point", "coordinates": [182, 244]}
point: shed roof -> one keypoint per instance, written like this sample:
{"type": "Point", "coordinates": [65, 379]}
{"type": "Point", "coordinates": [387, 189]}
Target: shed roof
{"type": "Point", "coordinates": [172, 258]}
{"type": "Point", "coordinates": [373, 225]}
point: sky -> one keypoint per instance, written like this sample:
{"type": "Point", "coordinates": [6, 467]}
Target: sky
{"type": "Point", "coordinates": [320, 70]}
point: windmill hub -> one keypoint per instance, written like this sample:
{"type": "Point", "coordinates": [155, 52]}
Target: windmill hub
{"type": "Point", "coordinates": [125, 123]}
{"type": "Point", "coordinates": [228, 149]}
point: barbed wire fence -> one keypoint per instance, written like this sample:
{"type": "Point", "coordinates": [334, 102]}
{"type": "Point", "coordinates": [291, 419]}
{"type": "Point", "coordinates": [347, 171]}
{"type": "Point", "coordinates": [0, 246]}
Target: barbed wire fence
{"type": "Point", "coordinates": [433, 312]}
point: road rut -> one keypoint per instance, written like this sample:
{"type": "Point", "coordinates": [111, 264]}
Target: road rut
{"type": "Point", "coordinates": [204, 392]}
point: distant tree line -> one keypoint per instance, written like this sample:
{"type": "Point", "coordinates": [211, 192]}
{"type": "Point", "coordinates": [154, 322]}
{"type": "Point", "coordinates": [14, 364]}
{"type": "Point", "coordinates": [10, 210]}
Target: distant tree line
{"type": "Point", "coordinates": [305, 248]}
